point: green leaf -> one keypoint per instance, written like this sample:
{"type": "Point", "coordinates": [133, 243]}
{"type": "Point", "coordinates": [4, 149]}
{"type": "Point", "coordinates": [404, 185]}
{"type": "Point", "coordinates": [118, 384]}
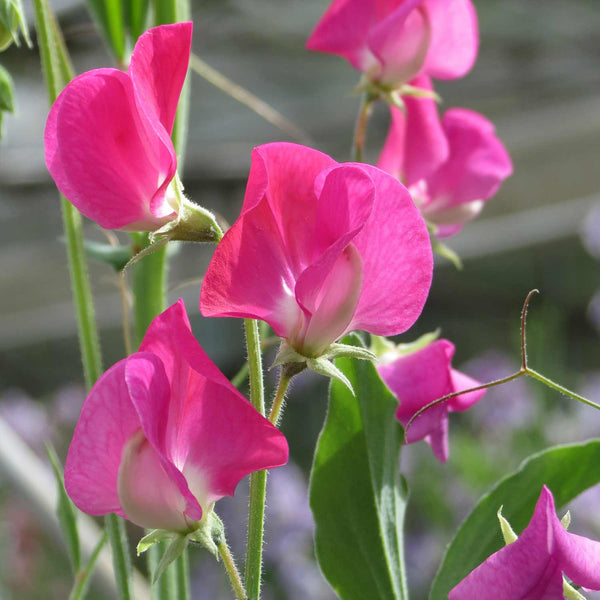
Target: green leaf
{"type": "Point", "coordinates": [567, 470]}
{"type": "Point", "coordinates": [109, 16]}
{"type": "Point", "coordinates": [82, 580]}
{"type": "Point", "coordinates": [12, 18]}
{"type": "Point", "coordinates": [115, 256]}
{"type": "Point", "coordinates": [6, 91]}
{"type": "Point", "coordinates": [357, 494]}
{"type": "Point", "coordinates": [66, 513]}
{"type": "Point", "coordinates": [136, 16]}
{"type": "Point", "coordinates": [174, 550]}
{"type": "Point", "coordinates": [155, 536]}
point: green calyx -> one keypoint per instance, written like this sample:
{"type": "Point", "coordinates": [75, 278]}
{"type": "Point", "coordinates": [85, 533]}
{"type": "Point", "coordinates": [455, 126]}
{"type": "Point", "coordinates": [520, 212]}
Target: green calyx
{"type": "Point", "coordinates": [12, 19]}
{"type": "Point", "coordinates": [393, 95]}
{"type": "Point", "coordinates": [193, 223]}
{"type": "Point", "coordinates": [293, 362]}
{"type": "Point", "coordinates": [209, 533]}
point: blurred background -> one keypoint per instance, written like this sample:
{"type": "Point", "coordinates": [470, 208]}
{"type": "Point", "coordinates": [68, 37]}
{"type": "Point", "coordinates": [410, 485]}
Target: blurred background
{"type": "Point", "coordinates": [537, 78]}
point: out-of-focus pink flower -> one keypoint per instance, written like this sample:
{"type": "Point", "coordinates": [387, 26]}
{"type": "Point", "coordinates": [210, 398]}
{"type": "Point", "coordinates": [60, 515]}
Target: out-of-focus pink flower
{"type": "Point", "coordinates": [163, 434]}
{"type": "Point", "coordinates": [450, 167]}
{"type": "Point", "coordinates": [418, 379]}
{"type": "Point", "coordinates": [320, 249]}
{"type": "Point", "coordinates": [532, 567]}
{"type": "Point", "coordinates": [108, 136]}
{"type": "Point", "coordinates": [392, 41]}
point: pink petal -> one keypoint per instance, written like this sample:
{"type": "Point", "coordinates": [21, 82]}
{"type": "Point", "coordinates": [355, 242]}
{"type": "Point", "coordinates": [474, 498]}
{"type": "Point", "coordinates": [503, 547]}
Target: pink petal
{"type": "Point", "coordinates": [223, 439]}
{"type": "Point", "coordinates": [148, 495]}
{"type": "Point", "coordinates": [249, 275]}
{"type": "Point", "coordinates": [212, 434]}
{"type": "Point", "coordinates": [460, 381]}
{"type": "Point", "coordinates": [397, 260]}
{"type": "Point", "coordinates": [93, 131]}
{"type": "Point", "coordinates": [158, 68]}
{"type": "Point", "coordinates": [418, 379]}
{"type": "Point", "coordinates": [343, 30]}
{"type": "Point", "coordinates": [477, 165]}
{"type": "Point", "coordinates": [416, 144]}
{"type": "Point", "coordinates": [155, 401]}
{"type": "Point", "coordinates": [527, 569]}
{"type": "Point", "coordinates": [107, 422]}
{"type": "Point", "coordinates": [400, 42]}
{"type": "Point", "coordinates": [329, 291]}
{"type": "Point", "coordinates": [454, 38]}
{"type": "Point", "coordinates": [284, 175]}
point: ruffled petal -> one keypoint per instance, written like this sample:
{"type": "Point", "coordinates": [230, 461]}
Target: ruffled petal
{"type": "Point", "coordinates": [454, 38]}
{"type": "Point", "coordinates": [478, 163]}
{"type": "Point", "coordinates": [108, 420]}
{"type": "Point", "coordinates": [416, 144]}
{"type": "Point", "coordinates": [158, 67]}
{"type": "Point", "coordinates": [94, 130]}
{"type": "Point", "coordinates": [400, 42]}
{"type": "Point", "coordinates": [397, 260]}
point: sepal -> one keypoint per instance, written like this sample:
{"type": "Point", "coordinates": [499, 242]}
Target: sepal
{"type": "Point", "coordinates": [322, 366]}
{"type": "Point", "coordinates": [155, 536]}
{"type": "Point", "coordinates": [347, 351]}
{"type": "Point", "coordinates": [193, 223]}
{"type": "Point", "coordinates": [507, 531]}
{"type": "Point", "coordinates": [174, 550]}
{"type": "Point", "coordinates": [442, 250]}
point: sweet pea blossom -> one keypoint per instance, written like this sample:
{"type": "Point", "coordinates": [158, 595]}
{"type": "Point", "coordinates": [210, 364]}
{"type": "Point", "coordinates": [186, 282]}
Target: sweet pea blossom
{"type": "Point", "coordinates": [419, 378]}
{"type": "Point", "coordinates": [532, 567]}
{"type": "Point", "coordinates": [450, 166]}
{"type": "Point", "coordinates": [163, 434]}
{"type": "Point", "coordinates": [108, 135]}
{"type": "Point", "coordinates": [391, 41]}
{"type": "Point", "coordinates": [320, 249]}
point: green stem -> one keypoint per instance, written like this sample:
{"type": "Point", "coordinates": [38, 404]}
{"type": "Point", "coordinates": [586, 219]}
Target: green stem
{"type": "Point", "coordinates": [258, 480]}
{"type": "Point", "coordinates": [232, 572]}
{"type": "Point", "coordinates": [182, 571]}
{"type": "Point", "coordinates": [560, 388]}
{"type": "Point", "coordinates": [149, 287]}
{"type": "Point", "coordinates": [284, 382]}
{"type": "Point", "coordinates": [115, 527]}
{"type": "Point", "coordinates": [238, 379]}
{"type": "Point", "coordinates": [360, 130]}
{"type": "Point", "coordinates": [56, 72]}
{"type": "Point", "coordinates": [166, 586]}
{"type": "Point", "coordinates": [82, 580]}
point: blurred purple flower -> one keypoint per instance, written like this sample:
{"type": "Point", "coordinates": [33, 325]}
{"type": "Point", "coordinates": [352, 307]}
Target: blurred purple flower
{"type": "Point", "coordinates": [27, 417]}
{"type": "Point", "coordinates": [590, 231]}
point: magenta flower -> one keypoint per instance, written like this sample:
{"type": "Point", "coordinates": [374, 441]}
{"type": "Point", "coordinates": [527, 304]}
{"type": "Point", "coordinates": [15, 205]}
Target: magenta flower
{"type": "Point", "coordinates": [450, 167]}
{"type": "Point", "coordinates": [320, 249]}
{"type": "Point", "coordinates": [163, 434]}
{"type": "Point", "coordinates": [392, 41]}
{"type": "Point", "coordinates": [531, 568]}
{"type": "Point", "coordinates": [108, 136]}
{"type": "Point", "coordinates": [418, 379]}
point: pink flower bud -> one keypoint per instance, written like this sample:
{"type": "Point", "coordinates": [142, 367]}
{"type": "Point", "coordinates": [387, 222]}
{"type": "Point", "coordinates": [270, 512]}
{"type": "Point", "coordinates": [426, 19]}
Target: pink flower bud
{"type": "Point", "coordinates": [320, 249]}
{"type": "Point", "coordinates": [451, 167]}
{"type": "Point", "coordinates": [392, 41]}
{"type": "Point", "coordinates": [532, 567]}
{"type": "Point", "coordinates": [418, 379]}
{"type": "Point", "coordinates": [163, 434]}
{"type": "Point", "coordinates": [108, 135]}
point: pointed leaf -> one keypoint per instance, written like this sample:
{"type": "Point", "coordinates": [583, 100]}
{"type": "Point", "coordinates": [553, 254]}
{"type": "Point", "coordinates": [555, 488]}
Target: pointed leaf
{"type": "Point", "coordinates": [564, 469]}
{"type": "Point", "coordinates": [357, 494]}
{"type": "Point", "coordinates": [66, 513]}
{"type": "Point", "coordinates": [82, 580]}
{"type": "Point", "coordinates": [324, 367]}
{"type": "Point", "coordinates": [6, 91]}
{"type": "Point", "coordinates": [174, 550]}
{"type": "Point", "coordinates": [109, 16]}
{"type": "Point", "coordinates": [155, 536]}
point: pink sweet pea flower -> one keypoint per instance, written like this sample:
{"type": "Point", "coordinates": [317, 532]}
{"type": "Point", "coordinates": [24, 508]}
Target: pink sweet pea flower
{"type": "Point", "coordinates": [320, 249]}
{"type": "Point", "coordinates": [163, 434]}
{"type": "Point", "coordinates": [450, 167]}
{"type": "Point", "coordinates": [422, 377]}
{"type": "Point", "coordinates": [531, 568]}
{"type": "Point", "coordinates": [108, 136]}
{"type": "Point", "coordinates": [392, 41]}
